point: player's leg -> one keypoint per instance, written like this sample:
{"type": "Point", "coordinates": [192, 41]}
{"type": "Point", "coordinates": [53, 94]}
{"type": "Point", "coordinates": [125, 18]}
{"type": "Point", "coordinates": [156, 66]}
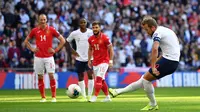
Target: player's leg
{"type": "Point", "coordinates": [149, 89]}
{"type": "Point", "coordinates": [90, 81]}
{"type": "Point", "coordinates": [100, 83]}
{"type": "Point", "coordinates": [165, 67]}
{"type": "Point", "coordinates": [131, 87]}
{"type": "Point", "coordinates": [39, 70]}
{"type": "Point", "coordinates": [50, 68]}
{"type": "Point", "coordinates": [104, 84]}
{"type": "Point", "coordinates": [80, 68]}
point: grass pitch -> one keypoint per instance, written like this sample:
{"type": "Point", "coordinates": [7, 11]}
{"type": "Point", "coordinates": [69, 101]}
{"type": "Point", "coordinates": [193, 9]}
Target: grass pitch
{"type": "Point", "coordinates": [169, 100]}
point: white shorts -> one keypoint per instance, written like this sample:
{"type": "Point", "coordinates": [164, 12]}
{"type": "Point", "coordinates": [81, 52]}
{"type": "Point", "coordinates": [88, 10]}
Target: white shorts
{"type": "Point", "coordinates": [100, 70]}
{"type": "Point", "coordinates": [40, 64]}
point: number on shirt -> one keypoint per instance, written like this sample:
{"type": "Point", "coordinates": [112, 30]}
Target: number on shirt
{"type": "Point", "coordinates": [96, 46]}
{"type": "Point", "coordinates": [43, 38]}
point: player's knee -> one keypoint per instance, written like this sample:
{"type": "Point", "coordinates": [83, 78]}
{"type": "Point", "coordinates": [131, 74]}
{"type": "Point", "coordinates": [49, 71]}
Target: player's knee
{"type": "Point", "coordinates": [90, 76]}
{"type": "Point", "coordinates": [51, 76]}
{"type": "Point", "coordinates": [40, 76]}
{"type": "Point", "coordinates": [80, 76]}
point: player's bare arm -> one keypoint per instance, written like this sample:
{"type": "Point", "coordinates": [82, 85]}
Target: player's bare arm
{"type": "Point", "coordinates": [89, 56]}
{"type": "Point", "coordinates": [72, 50]}
{"type": "Point", "coordinates": [61, 44]}
{"type": "Point", "coordinates": [28, 45]}
{"type": "Point", "coordinates": [160, 56]}
{"type": "Point", "coordinates": [154, 55]}
{"type": "Point", "coordinates": [111, 54]}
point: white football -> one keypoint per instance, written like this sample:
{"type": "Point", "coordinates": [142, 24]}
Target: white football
{"type": "Point", "coordinates": [73, 91]}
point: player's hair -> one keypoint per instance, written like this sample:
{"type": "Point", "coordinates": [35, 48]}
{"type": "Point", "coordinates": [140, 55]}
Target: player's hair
{"type": "Point", "coordinates": [41, 15]}
{"type": "Point", "coordinates": [96, 23]}
{"type": "Point", "coordinates": [149, 21]}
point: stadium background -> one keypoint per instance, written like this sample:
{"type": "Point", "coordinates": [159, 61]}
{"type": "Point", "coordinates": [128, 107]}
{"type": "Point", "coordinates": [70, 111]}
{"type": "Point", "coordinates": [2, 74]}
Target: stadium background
{"type": "Point", "coordinates": [120, 20]}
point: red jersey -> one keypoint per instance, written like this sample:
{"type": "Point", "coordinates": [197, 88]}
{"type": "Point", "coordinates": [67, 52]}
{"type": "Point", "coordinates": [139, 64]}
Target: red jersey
{"type": "Point", "coordinates": [100, 49]}
{"type": "Point", "coordinates": [44, 39]}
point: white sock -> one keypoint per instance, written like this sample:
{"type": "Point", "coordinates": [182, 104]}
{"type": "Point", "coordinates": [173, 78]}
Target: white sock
{"type": "Point", "coordinates": [82, 86]}
{"type": "Point", "coordinates": [131, 87]}
{"type": "Point", "coordinates": [149, 89]}
{"type": "Point", "coordinates": [90, 86]}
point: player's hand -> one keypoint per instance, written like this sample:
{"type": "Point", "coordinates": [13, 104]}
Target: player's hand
{"type": "Point", "coordinates": [90, 64]}
{"type": "Point", "coordinates": [75, 54]}
{"type": "Point", "coordinates": [110, 63]}
{"type": "Point", "coordinates": [34, 50]}
{"type": "Point", "coordinates": [155, 71]}
{"type": "Point", "coordinates": [51, 51]}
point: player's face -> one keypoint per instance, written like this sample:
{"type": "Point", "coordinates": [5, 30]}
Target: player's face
{"type": "Point", "coordinates": [42, 20]}
{"type": "Point", "coordinates": [96, 29]}
{"type": "Point", "coordinates": [83, 23]}
{"type": "Point", "coordinates": [148, 29]}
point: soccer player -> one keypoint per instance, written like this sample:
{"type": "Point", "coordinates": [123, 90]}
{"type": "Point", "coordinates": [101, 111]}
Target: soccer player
{"type": "Point", "coordinates": [101, 49]}
{"type": "Point", "coordinates": [81, 38]}
{"type": "Point", "coordinates": [43, 54]}
{"type": "Point", "coordinates": [164, 65]}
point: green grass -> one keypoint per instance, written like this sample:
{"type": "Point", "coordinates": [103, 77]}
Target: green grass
{"type": "Point", "coordinates": [169, 100]}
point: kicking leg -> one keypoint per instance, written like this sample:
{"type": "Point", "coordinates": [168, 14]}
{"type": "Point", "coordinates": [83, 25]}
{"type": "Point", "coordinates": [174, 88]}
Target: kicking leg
{"type": "Point", "coordinates": [131, 87]}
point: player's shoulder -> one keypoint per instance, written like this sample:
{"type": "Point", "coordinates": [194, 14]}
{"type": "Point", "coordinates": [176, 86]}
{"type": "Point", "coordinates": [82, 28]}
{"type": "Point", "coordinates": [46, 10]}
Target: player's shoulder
{"type": "Point", "coordinates": [162, 29]}
{"type": "Point", "coordinates": [89, 30]}
{"type": "Point", "coordinates": [35, 29]}
{"type": "Point", "coordinates": [75, 32]}
{"type": "Point", "coordinates": [104, 36]}
{"type": "Point", "coordinates": [91, 37]}
{"type": "Point", "coordinates": [51, 28]}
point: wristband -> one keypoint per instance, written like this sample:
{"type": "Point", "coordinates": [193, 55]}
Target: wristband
{"type": "Point", "coordinates": [56, 50]}
{"type": "Point", "coordinates": [110, 61]}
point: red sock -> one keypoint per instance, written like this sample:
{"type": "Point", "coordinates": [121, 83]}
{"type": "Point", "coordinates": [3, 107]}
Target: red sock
{"type": "Point", "coordinates": [98, 85]}
{"type": "Point", "coordinates": [104, 87]}
{"type": "Point", "coordinates": [41, 87]}
{"type": "Point", "coordinates": [53, 87]}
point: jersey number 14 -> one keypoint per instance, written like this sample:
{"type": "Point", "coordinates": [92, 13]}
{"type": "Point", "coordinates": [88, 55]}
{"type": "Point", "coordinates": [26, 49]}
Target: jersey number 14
{"type": "Point", "coordinates": [43, 38]}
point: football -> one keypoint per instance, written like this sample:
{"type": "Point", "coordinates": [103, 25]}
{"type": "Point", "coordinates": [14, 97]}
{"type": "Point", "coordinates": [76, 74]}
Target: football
{"type": "Point", "coordinates": [73, 91]}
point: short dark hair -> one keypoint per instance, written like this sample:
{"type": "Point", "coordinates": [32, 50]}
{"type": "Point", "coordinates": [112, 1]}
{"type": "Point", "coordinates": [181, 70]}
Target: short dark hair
{"type": "Point", "coordinates": [96, 23]}
{"type": "Point", "coordinates": [149, 21]}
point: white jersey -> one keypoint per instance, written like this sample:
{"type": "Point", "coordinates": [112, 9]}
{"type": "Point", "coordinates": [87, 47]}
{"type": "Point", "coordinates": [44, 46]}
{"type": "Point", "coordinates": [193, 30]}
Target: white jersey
{"type": "Point", "coordinates": [82, 44]}
{"type": "Point", "coordinates": [169, 43]}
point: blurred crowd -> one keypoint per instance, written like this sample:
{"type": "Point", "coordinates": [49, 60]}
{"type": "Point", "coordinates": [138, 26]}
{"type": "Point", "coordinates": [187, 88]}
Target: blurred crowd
{"type": "Point", "coordinates": [120, 20]}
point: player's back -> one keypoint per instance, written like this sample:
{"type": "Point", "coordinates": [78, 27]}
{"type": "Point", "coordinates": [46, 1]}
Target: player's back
{"type": "Point", "coordinates": [100, 48]}
{"type": "Point", "coordinates": [169, 43]}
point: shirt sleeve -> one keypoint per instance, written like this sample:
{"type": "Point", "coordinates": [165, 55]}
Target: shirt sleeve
{"type": "Point", "coordinates": [54, 32]}
{"type": "Point", "coordinates": [156, 36]}
{"type": "Point", "coordinates": [89, 41]}
{"type": "Point", "coordinates": [32, 33]}
{"type": "Point", "coordinates": [70, 37]}
{"type": "Point", "coordinates": [107, 40]}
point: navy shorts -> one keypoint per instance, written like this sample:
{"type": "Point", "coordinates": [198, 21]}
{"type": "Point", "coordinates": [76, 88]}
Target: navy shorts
{"type": "Point", "coordinates": [81, 66]}
{"type": "Point", "coordinates": [165, 67]}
